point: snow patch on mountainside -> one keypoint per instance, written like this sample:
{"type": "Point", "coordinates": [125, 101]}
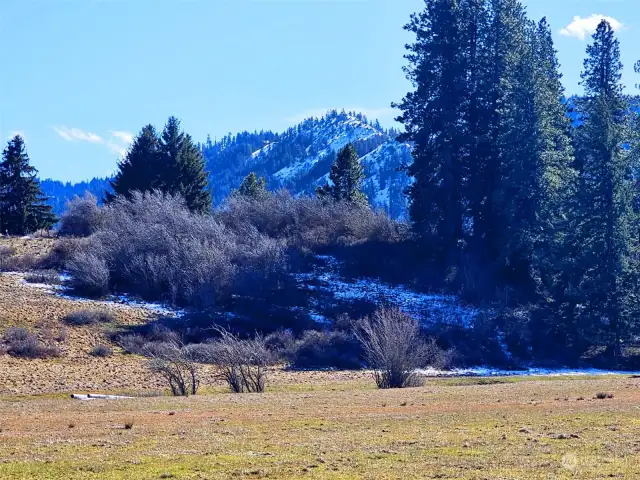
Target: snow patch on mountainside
{"type": "Point", "coordinates": [428, 308]}
{"type": "Point", "coordinates": [330, 138]}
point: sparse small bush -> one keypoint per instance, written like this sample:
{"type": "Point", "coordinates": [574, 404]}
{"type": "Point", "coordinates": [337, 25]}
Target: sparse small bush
{"type": "Point", "coordinates": [47, 277]}
{"type": "Point", "coordinates": [394, 348]}
{"type": "Point", "coordinates": [82, 217]}
{"type": "Point", "coordinates": [281, 343]}
{"type": "Point", "coordinates": [133, 344]}
{"type": "Point", "coordinates": [101, 351]}
{"type": "Point", "coordinates": [603, 395]}
{"type": "Point", "coordinates": [88, 317]}
{"type": "Point", "coordinates": [18, 263]}
{"type": "Point", "coordinates": [128, 425]}
{"type": "Point", "coordinates": [243, 362]}
{"type": "Point", "coordinates": [19, 342]}
{"type": "Point", "coordinates": [177, 364]}
{"type": "Point", "coordinates": [6, 251]}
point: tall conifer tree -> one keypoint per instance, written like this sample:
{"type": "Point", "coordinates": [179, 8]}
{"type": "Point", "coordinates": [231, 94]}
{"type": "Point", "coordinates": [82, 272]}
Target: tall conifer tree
{"type": "Point", "coordinates": [140, 168]}
{"type": "Point", "coordinates": [171, 163]}
{"type": "Point", "coordinates": [431, 115]}
{"type": "Point", "coordinates": [23, 207]}
{"type": "Point", "coordinates": [605, 219]}
{"type": "Point", "coordinates": [183, 169]}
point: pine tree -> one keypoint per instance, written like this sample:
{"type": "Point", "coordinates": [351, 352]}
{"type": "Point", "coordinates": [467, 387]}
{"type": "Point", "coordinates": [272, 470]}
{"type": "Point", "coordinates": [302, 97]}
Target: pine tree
{"type": "Point", "coordinates": [536, 156]}
{"type": "Point", "coordinates": [252, 187]}
{"type": "Point", "coordinates": [23, 207]}
{"type": "Point", "coordinates": [183, 170]}
{"type": "Point", "coordinates": [346, 177]}
{"type": "Point", "coordinates": [431, 115]}
{"type": "Point", "coordinates": [140, 169]}
{"type": "Point", "coordinates": [605, 220]}
{"type": "Point", "coordinates": [172, 163]}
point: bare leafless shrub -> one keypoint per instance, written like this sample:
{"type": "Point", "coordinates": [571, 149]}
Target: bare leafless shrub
{"type": "Point", "coordinates": [18, 263]}
{"type": "Point", "coordinates": [6, 251]}
{"type": "Point", "coordinates": [88, 317]}
{"type": "Point", "coordinates": [308, 222]}
{"type": "Point", "coordinates": [47, 277]}
{"type": "Point", "coordinates": [82, 217]}
{"type": "Point", "coordinates": [19, 342]}
{"type": "Point", "coordinates": [394, 348]}
{"type": "Point", "coordinates": [133, 344]}
{"type": "Point", "coordinates": [177, 364]}
{"type": "Point", "coordinates": [322, 349]}
{"type": "Point", "coordinates": [243, 362]}
{"type": "Point", "coordinates": [89, 273]}
{"type": "Point", "coordinates": [153, 246]}
{"type": "Point", "coordinates": [61, 253]}
{"type": "Point", "coordinates": [101, 351]}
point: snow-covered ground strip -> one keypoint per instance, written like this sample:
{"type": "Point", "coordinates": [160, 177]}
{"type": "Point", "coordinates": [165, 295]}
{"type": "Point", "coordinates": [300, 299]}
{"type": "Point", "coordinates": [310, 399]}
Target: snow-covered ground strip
{"type": "Point", "coordinates": [529, 372]}
{"type": "Point", "coordinates": [125, 301]}
{"type": "Point", "coordinates": [428, 308]}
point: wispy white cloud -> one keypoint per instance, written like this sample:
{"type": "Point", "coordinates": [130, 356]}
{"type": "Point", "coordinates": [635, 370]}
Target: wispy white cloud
{"type": "Point", "coordinates": [116, 148]}
{"type": "Point", "coordinates": [117, 142]}
{"type": "Point", "coordinates": [73, 134]}
{"type": "Point", "coordinates": [126, 137]}
{"type": "Point", "coordinates": [580, 27]}
{"type": "Point", "coordinates": [383, 114]}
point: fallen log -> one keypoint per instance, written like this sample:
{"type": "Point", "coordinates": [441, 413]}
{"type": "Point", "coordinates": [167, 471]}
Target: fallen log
{"type": "Point", "coordinates": [97, 396]}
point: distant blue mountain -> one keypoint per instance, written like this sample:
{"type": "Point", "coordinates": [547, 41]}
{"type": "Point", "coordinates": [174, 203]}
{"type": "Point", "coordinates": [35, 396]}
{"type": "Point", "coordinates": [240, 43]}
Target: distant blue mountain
{"type": "Point", "coordinates": [60, 193]}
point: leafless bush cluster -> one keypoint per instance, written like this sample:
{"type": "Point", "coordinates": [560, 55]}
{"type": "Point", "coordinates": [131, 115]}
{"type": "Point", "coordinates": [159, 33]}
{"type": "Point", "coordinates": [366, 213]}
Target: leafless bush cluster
{"type": "Point", "coordinates": [316, 349]}
{"type": "Point", "coordinates": [18, 263]}
{"type": "Point", "coordinates": [101, 351]}
{"type": "Point", "coordinates": [81, 218]}
{"type": "Point", "coordinates": [177, 364]}
{"type": "Point", "coordinates": [19, 342]}
{"type": "Point", "coordinates": [154, 247]}
{"type": "Point", "coordinates": [243, 363]}
{"type": "Point", "coordinates": [88, 317]}
{"type": "Point", "coordinates": [308, 222]}
{"type": "Point", "coordinates": [6, 251]}
{"type": "Point", "coordinates": [394, 348]}
{"type": "Point", "coordinates": [48, 277]}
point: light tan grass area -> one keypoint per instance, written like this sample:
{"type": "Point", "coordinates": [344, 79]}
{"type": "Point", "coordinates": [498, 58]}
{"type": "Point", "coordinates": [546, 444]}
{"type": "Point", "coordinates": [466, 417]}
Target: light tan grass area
{"type": "Point", "coordinates": [524, 429]}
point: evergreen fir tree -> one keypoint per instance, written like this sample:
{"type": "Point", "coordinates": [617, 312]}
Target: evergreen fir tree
{"type": "Point", "coordinates": [172, 163]}
{"type": "Point", "coordinates": [431, 115]}
{"type": "Point", "coordinates": [23, 207]}
{"type": "Point", "coordinates": [252, 187]}
{"type": "Point", "coordinates": [141, 167]}
{"type": "Point", "coordinates": [183, 170]}
{"type": "Point", "coordinates": [605, 220]}
{"type": "Point", "coordinates": [346, 178]}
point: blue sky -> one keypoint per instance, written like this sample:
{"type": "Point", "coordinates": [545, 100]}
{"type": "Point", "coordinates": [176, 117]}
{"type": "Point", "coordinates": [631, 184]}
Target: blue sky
{"type": "Point", "coordinates": [79, 77]}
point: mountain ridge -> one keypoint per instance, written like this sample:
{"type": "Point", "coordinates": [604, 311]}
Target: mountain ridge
{"type": "Point", "coordinates": [297, 159]}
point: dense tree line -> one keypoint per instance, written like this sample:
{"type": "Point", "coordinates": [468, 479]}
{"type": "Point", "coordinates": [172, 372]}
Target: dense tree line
{"type": "Point", "coordinates": [506, 192]}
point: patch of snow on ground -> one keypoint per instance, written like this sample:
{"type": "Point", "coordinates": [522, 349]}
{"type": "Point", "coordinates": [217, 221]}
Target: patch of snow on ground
{"type": "Point", "coordinates": [62, 291]}
{"type": "Point", "coordinates": [428, 308]}
{"type": "Point", "coordinates": [528, 372]}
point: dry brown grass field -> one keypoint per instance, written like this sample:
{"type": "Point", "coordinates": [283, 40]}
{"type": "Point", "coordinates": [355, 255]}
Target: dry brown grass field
{"type": "Point", "coordinates": [325, 425]}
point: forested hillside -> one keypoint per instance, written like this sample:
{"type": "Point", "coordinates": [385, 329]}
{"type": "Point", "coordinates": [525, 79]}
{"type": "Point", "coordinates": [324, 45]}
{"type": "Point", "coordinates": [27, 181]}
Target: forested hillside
{"type": "Point", "coordinates": [299, 158]}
